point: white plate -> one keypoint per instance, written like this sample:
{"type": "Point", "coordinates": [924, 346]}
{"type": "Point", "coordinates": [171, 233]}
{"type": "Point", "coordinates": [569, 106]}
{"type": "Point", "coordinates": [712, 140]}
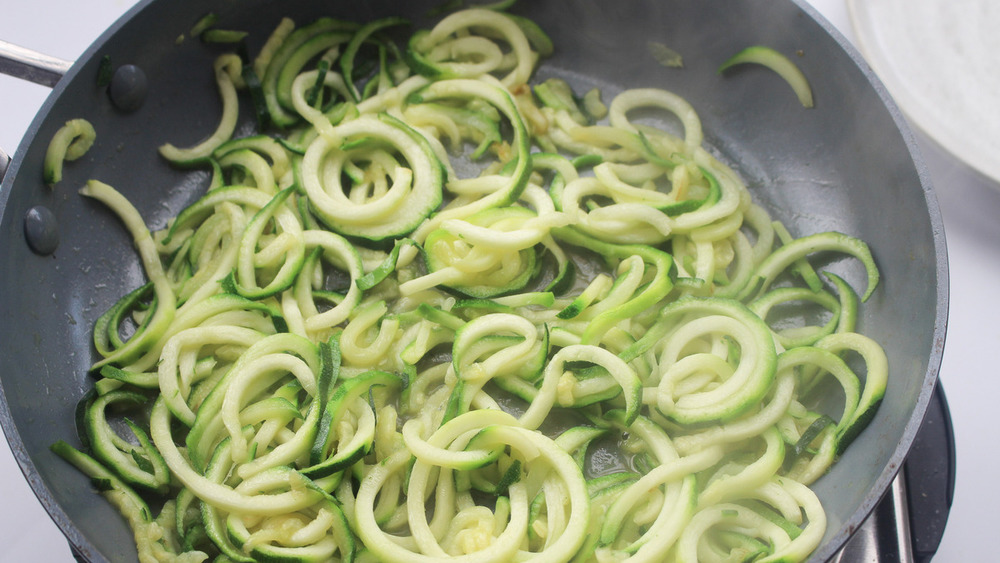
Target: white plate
{"type": "Point", "coordinates": [940, 60]}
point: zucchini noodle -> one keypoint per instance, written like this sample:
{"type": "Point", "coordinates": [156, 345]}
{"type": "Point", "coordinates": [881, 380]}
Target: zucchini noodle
{"type": "Point", "coordinates": [433, 312]}
{"type": "Point", "coordinates": [70, 142]}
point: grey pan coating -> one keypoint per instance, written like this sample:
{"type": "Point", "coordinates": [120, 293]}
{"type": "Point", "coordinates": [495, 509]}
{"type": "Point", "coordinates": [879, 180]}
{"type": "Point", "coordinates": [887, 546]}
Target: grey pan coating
{"type": "Point", "coordinates": [849, 164]}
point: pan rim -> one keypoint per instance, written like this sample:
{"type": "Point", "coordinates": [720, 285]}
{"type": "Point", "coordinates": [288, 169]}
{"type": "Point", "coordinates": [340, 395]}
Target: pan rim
{"type": "Point", "coordinates": [930, 377]}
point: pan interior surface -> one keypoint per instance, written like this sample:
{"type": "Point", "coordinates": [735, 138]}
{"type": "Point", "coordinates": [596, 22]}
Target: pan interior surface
{"type": "Point", "coordinates": [846, 165]}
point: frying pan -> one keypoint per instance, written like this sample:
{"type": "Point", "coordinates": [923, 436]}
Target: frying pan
{"type": "Point", "coordinates": [849, 164]}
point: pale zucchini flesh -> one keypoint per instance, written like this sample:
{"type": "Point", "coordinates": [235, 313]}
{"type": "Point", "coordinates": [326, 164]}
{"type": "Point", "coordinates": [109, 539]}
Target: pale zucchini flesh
{"type": "Point", "coordinates": [352, 348]}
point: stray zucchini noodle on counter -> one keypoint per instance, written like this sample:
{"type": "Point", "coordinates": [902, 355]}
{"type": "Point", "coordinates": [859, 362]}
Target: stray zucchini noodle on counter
{"type": "Point", "coordinates": [348, 350]}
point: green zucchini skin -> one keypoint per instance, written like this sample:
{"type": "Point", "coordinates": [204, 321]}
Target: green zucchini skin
{"type": "Point", "coordinates": [434, 308]}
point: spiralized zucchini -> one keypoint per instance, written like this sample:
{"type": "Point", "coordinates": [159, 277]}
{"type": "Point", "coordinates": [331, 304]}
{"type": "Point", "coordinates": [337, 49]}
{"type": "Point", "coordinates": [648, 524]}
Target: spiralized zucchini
{"type": "Point", "coordinates": [436, 313]}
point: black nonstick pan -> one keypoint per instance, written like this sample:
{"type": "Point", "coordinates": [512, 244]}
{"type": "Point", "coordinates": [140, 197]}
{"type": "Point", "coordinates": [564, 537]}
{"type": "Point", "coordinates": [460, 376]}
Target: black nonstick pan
{"type": "Point", "coordinates": [848, 164]}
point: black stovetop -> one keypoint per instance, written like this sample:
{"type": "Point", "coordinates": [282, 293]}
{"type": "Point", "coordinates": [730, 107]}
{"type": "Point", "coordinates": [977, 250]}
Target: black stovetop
{"type": "Point", "coordinates": [909, 522]}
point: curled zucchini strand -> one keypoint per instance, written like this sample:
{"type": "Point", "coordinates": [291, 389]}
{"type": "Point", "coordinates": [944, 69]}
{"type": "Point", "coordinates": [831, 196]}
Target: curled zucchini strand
{"type": "Point", "coordinates": [432, 312]}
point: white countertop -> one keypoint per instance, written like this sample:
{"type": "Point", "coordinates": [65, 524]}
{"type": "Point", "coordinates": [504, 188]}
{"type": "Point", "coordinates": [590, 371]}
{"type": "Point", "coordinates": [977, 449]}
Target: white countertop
{"type": "Point", "coordinates": [970, 205]}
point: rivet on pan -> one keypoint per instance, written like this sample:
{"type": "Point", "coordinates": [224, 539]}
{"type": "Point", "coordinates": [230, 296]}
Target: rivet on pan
{"type": "Point", "coordinates": [41, 230]}
{"type": "Point", "coordinates": [128, 88]}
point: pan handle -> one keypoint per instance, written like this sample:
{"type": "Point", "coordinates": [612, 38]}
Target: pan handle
{"type": "Point", "coordinates": [33, 66]}
{"type": "Point", "coordinates": [29, 65]}
{"type": "Point", "coordinates": [4, 161]}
